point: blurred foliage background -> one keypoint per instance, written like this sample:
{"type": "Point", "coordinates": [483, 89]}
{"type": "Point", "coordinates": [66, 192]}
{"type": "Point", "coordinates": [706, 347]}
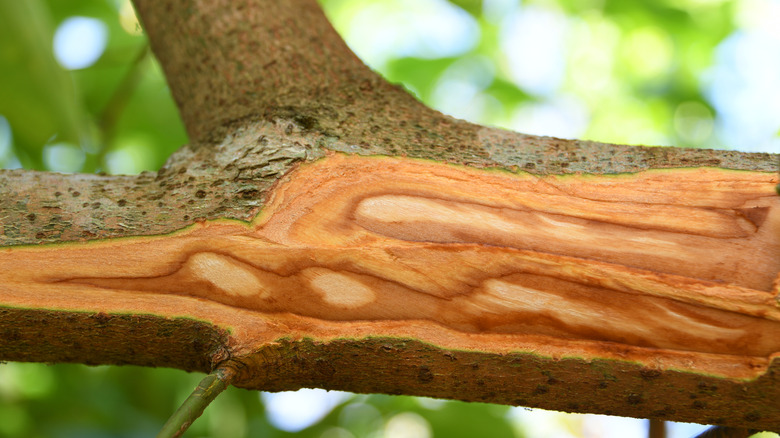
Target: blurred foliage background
{"type": "Point", "coordinates": [80, 92]}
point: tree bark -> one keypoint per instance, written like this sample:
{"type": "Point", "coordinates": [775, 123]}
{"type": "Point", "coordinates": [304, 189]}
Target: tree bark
{"type": "Point", "coordinates": [325, 229]}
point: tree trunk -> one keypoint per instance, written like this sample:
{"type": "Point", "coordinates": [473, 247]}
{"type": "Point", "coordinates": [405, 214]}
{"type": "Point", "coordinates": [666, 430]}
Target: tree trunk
{"type": "Point", "coordinates": [324, 229]}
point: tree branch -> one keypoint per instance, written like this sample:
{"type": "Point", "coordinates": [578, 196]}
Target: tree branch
{"type": "Point", "coordinates": [207, 390]}
{"type": "Point", "coordinates": [384, 247]}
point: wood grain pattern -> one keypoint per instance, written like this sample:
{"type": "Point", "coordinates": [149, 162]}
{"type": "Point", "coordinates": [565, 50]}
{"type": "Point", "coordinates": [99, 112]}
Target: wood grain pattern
{"type": "Point", "coordinates": [680, 260]}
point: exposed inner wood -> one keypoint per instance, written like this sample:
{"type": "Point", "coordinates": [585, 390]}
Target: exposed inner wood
{"type": "Point", "coordinates": [679, 259]}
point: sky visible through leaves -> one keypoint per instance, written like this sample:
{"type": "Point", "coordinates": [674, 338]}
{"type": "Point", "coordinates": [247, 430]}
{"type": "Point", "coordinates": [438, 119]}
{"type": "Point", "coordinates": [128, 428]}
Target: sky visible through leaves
{"type": "Point", "coordinates": [78, 93]}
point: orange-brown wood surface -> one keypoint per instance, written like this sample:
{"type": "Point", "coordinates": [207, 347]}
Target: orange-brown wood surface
{"type": "Point", "coordinates": [681, 260]}
{"type": "Point", "coordinates": [651, 294]}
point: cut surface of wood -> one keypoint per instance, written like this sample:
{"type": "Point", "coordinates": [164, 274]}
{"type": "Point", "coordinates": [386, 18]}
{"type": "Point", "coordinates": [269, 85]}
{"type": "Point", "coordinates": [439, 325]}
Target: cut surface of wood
{"type": "Point", "coordinates": [644, 294]}
{"type": "Point", "coordinates": [680, 259]}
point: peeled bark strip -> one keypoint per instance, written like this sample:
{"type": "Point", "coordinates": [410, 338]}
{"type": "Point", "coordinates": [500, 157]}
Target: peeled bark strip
{"type": "Point", "coordinates": [324, 229]}
{"type": "Point", "coordinates": [659, 271]}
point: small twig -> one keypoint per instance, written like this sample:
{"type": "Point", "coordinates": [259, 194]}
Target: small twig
{"type": "Point", "coordinates": [207, 390]}
{"type": "Point", "coordinates": [118, 101]}
{"type": "Point", "coordinates": [726, 432]}
{"type": "Point", "coordinates": [657, 429]}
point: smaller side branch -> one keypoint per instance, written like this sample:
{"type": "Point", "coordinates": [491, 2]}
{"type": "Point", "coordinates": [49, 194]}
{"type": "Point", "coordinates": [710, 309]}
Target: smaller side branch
{"type": "Point", "coordinates": [207, 390]}
{"type": "Point", "coordinates": [657, 429]}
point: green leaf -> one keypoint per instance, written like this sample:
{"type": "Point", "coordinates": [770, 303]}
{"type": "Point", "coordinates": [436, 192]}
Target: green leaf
{"type": "Point", "coordinates": [420, 75]}
{"type": "Point", "coordinates": [473, 7]}
{"type": "Point", "coordinates": [509, 94]}
{"type": "Point", "coordinates": [37, 97]}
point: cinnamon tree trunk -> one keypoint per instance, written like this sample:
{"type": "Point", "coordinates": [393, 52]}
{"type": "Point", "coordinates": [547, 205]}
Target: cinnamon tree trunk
{"type": "Point", "coordinates": [324, 229]}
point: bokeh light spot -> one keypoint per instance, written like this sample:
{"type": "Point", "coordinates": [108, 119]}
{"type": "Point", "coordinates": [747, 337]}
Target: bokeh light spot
{"type": "Point", "coordinates": [131, 155]}
{"type": "Point", "coordinates": [534, 43]}
{"type": "Point", "coordinates": [408, 425]}
{"type": "Point", "coordinates": [415, 28]}
{"type": "Point", "coordinates": [693, 122]}
{"type": "Point", "coordinates": [5, 138]}
{"type": "Point", "coordinates": [79, 42]}
{"type": "Point", "coordinates": [295, 411]}
{"type": "Point", "coordinates": [63, 157]}
{"type": "Point", "coordinates": [648, 51]}
{"type": "Point", "coordinates": [363, 419]}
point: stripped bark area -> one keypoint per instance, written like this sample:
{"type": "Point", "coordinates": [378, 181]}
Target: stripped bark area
{"type": "Point", "coordinates": [675, 269]}
{"type": "Point", "coordinates": [681, 260]}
